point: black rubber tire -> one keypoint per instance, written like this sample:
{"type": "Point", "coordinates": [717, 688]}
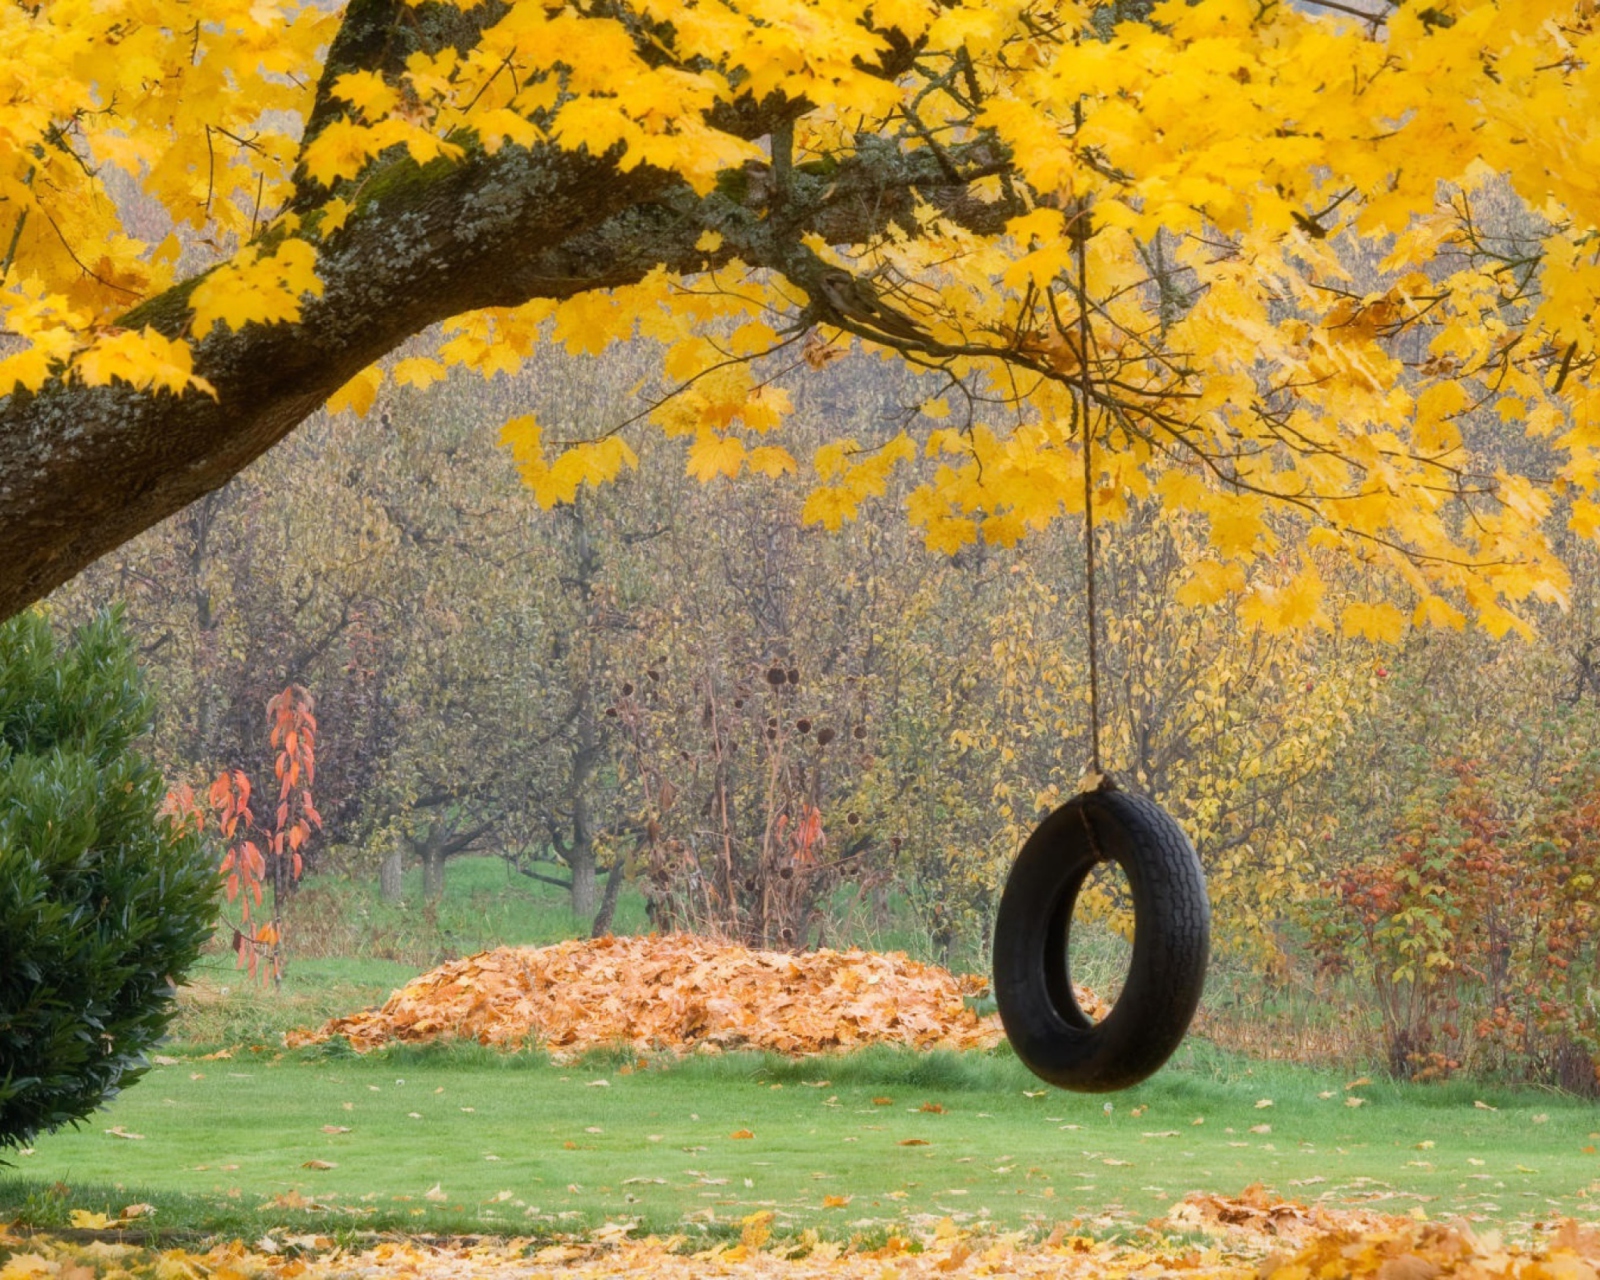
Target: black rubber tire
{"type": "Point", "coordinates": [1171, 941]}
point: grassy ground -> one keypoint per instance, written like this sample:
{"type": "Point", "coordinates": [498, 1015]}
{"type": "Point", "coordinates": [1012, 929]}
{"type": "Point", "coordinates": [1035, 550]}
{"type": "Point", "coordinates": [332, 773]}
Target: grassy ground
{"type": "Point", "coordinates": [463, 1139]}
{"type": "Point", "coordinates": [467, 1140]}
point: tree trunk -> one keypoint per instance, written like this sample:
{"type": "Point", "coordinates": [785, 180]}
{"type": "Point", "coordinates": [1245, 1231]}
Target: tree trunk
{"type": "Point", "coordinates": [585, 893]}
{"type": "Point", "coordinates": [389, 876]}
{"type": "Point", "coordinates": [608, 904]}
{"type": "Point", "coordinates": [432, 872]}
{"type": "Point", "coordinates": [432, 853]}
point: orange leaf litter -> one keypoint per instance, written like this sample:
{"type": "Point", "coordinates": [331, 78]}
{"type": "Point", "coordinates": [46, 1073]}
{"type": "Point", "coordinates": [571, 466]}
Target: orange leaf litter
{"type": "Point", "coordinates": [1276, 1241]}
{"type": "Point", "coordinates": [678, 993]}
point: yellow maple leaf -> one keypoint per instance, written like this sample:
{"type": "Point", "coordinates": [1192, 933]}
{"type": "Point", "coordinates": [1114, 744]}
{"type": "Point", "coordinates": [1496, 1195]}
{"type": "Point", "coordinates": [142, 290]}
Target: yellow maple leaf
{"type": "Point", "coordinates": [359, 393]}
{"type": "Point", "coordinates": [1209, 582]}
{"type": "Point", "coordinates": [417, 371]}
{"type": "Point", "coordinates": [829, 506]}
{"type": "Point", "coordinates": [1378, 621]}
{"type": "Point", "coordinates": [771, 460]}
{"type": "Point", "coordinates": [334, 215]}
{"type": "Point", "coordinates": [341, 150]}
{"type": "Point", "coordinates": [712, 455]}
{"type": "Point", "coordinates": [367, 92]}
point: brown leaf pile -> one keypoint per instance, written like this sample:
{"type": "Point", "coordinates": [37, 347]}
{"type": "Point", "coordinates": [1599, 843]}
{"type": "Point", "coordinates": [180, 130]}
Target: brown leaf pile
{"type": "Point", "coordinates": [676, 993]}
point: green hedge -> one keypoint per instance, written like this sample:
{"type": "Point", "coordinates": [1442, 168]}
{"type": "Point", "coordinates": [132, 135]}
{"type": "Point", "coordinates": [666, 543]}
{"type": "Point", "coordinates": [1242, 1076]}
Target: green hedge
{"type": "Point", "coordinates": [103, 905]}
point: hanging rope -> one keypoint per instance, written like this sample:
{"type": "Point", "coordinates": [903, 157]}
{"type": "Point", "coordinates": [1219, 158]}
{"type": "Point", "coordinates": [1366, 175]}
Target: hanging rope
{"type": "Point", "coordinates": [1079, 232]}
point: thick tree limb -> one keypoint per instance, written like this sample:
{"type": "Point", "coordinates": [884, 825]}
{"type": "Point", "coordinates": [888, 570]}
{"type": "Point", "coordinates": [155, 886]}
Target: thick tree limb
{"type": "Point", "coordinates": [83, 469]}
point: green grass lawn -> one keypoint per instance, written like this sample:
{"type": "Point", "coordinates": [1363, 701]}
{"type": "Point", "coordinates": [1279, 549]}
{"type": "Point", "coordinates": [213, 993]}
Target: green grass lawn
{"type": "Point", "coordinates": [468, 1140]}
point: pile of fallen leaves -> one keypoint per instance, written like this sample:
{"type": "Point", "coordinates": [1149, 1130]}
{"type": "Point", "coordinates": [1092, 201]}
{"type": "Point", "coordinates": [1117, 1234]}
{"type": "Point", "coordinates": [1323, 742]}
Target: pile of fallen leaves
{"type": "Point", "coordinates": [1397, 1249]}
{"type": "Point", "coordinates": [1258, 1215]}
{"type": "Point", "coordinates": [675, 993]}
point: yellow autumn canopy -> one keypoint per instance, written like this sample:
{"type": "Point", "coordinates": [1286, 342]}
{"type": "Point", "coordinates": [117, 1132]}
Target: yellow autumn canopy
{"type": "Point", "coordinates": [1276, 259]}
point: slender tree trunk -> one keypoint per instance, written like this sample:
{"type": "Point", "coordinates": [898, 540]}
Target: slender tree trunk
{"type": "Point", "coordinates": [389, 875]}
{"type": "Point", "coordinates": [608, 904]}
{"type": "Point", "coordinates": [431, 851]}
{"type": "Point", "coordinates": [585, 885]}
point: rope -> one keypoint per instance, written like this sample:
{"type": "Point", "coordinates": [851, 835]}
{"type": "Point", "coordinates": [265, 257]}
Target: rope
{"type": "Point", "coordinates": [1081, 235]}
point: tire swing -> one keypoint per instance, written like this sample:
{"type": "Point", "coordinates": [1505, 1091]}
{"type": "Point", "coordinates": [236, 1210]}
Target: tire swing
{"type": "Point", "coordinates": [1051, 1034]}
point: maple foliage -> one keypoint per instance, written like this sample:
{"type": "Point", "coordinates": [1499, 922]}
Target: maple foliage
{"type": "Point", "coordinates": [1264, 257]}
{"type": "Point", "coordinates": [676, 993]}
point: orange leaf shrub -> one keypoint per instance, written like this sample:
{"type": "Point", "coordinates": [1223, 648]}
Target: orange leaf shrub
{"type": "Point", "coordinates": [677, 992]}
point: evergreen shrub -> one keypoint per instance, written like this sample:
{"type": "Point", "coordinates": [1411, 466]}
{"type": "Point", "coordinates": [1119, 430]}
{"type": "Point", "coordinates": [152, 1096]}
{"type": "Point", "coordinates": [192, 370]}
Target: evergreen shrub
{"type": "Point", "coordinates": [103, 903]}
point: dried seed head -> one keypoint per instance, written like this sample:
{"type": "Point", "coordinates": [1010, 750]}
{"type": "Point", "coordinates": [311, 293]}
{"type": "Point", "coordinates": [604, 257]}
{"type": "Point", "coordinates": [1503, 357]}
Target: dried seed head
{"type": "Point", "coordinates": [654, 675]}
{"type": "Point", "coordinates": [627, 688]}
{"type": "Point", "coordinates": [775, 676]}
{"type": "Point", "coordinates": [860, 733]}
{"type": "Point", "coordinates": [852, 818]}
{"type": "Point", "coordinates": [825, 736]}
{"type": "Point", "coordinates": [803, 725]}
{"type": "Point", "coordinates": [611, 713]}
{"type": "Point", "coordinates": [772, 735]}
{"type": "Point", "coordinates": [794, 675]}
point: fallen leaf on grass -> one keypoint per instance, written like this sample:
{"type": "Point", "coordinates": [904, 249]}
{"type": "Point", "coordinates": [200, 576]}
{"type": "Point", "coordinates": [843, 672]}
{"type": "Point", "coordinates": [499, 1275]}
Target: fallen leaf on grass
{"type": "Point", "coordinates": [741, 1134]}
{"type": "Point", "coordinates": [933, 1108]}
{"type": "Point", "coordinates": [117, 1131]}
{"type": "Point", "coordinates": [1481, 1105]}
{"type": "Point", "coordinates": [1354, 1101]}
{"type": "Point", "coordinates": [335, 1128]}
{"type": "Point", "coordinates": [836, 1202]}
{"type": "Point", "coordinates": [1263, 1104]}
{"type": "Point", "coordinates": [84, 1220]}
{"type": "Point", "coordinates": [1359, 1082]}
{"type": "Point", "coordinates": [883, 1102]}
{"type": "Point", "coordinates": [435, 1193]}
{"type": "Point", "coordinates": [913, 1142]}
{"type": "Point", "coordinates": [322, 1164]}
{"type": "Point", "coordinates": [137, 1211]}
{"type": "Point", "coordinates": [1261, 1128]}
